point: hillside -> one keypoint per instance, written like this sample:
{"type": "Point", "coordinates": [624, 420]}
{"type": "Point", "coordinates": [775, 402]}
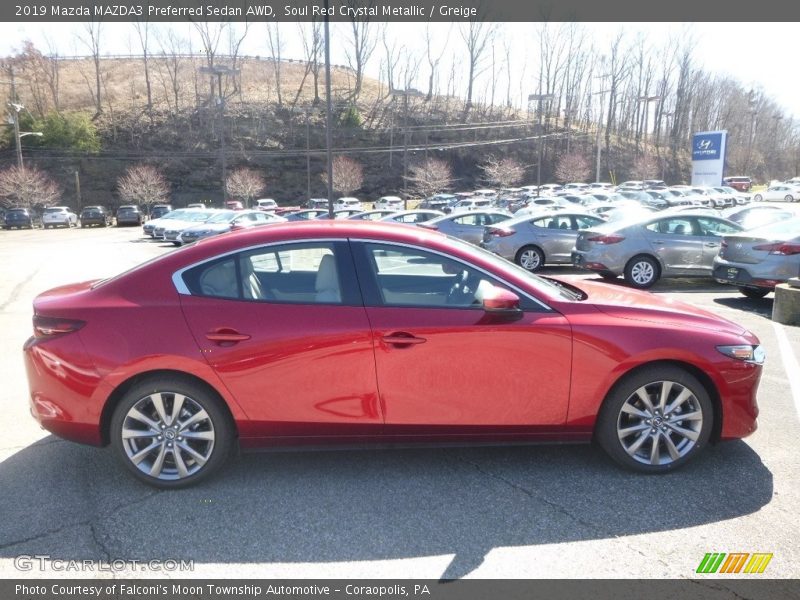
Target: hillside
{"type": "Point", "coordinates": [284, 141]}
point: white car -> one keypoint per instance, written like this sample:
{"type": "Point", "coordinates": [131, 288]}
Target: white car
{"type": "Point", "coordinates": [789, 193]}
{"type": "Point", "coordinates": [59, 216]}
{"type": "Point", "coordinates": [477, 203]}
{"type": "Point", "coordinates": [389, 203]}
{"type": "Point", "coordinates": [348, 203]}
{"type": "Point", "coordinates": [266, 204]}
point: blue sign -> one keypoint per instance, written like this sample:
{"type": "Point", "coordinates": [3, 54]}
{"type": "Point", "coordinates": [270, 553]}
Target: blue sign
{"type": "Point", "coordinates": [706, 146]}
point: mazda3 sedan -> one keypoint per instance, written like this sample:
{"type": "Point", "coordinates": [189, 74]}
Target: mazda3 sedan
{"type": "Point", "coordinates": [335, 332]}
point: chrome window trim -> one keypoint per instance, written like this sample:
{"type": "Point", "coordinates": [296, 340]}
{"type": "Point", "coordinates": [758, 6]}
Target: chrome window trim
{"type": "Point", "coordinates": [181, 287]}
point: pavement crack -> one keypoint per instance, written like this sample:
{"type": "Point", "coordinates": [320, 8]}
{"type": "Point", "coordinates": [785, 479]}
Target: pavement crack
{"type": "Point", "coordinates": [558, 508]}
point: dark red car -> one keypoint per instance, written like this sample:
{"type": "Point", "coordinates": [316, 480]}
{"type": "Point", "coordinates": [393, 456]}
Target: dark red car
{"type": "Point", "coordinates": [328, 332]}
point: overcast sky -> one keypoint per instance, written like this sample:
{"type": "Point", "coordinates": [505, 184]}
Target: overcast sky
{"type": "Point", "coordinates": [756, 54]}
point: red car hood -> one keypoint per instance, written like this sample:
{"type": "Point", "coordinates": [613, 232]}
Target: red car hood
{"type": "Point", "coordinates": [637, 305]}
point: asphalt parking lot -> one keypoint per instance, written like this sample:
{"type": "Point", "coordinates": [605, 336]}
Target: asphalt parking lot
{"type": "Point", "coordinates": [515, 512]}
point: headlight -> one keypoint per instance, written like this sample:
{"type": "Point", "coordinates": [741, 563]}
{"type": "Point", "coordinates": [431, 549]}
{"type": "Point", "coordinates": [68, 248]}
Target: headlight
{"type": "Point", "coordinates": [745, 352]}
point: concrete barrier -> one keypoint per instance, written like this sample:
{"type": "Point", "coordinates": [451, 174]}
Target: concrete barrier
{"type": "Point", "coordinates": [786, 307]}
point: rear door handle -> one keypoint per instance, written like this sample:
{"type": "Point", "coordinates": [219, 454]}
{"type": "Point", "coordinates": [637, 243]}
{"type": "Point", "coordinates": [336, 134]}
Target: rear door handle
{"type": "Point", "coordinates": [403, 339]}
{"type": "Point", "coordinates": [226, 336]}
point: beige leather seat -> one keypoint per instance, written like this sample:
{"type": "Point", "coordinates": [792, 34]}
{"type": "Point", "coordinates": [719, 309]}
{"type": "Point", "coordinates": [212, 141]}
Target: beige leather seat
{"type": "Point", "coordinates": [251, 284]}
{"type": "Point", "coordinates": [326, 285]}
{"type": "Point", "coordinates": [220, 281]}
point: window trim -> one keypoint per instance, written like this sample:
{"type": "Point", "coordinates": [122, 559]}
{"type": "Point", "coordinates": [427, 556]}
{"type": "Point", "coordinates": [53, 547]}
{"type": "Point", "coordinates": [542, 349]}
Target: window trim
{"type": "Point", "coordinates": [350, 286]}
{"type": "Point", "coordinates": [372, 297]}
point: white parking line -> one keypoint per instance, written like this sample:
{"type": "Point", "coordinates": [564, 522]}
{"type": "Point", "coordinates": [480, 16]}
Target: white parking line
{"type": "Point", "coordinates": [790, 364]}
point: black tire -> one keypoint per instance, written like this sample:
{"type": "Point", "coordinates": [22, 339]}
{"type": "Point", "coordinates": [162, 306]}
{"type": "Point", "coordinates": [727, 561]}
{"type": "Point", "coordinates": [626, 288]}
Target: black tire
{"type": "Point", "coordinates": [753, 292]}
{"type": "Point", "coordinates": [642, 271]}
{"type": "Point", "coordinates": [530, 258]}
{"type": "Point", "coordinates": [630, 439]}
{"type": "Point", "coordinates": [758, 198]}
{"type": "Point", "coordinates": [217, 423]}
{"type": "Point", "coordinates": [789, 198]}
{"type": "Point", "coordinates": [608, 275]}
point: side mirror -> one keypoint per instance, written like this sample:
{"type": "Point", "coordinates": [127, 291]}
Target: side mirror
{"type": "Point", "coordinates": [501, 305]}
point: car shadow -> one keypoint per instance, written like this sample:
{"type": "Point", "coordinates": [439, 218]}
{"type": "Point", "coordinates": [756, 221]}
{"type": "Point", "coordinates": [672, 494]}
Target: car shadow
{"type": "Point", "coordinates": [758, 306]}
{"type": "Point", "coordinates": [76, 503]}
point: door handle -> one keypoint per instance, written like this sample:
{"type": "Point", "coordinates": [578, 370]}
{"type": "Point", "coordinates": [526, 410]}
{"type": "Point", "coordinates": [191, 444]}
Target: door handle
{"type": "Point", "coordinates": [226, 336]}
{"type": "Point", "coordinates": [403, 339]}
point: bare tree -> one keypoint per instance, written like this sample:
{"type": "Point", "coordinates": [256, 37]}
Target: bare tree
{"type": "Point", "coordinates": [171, 49]}
{"type": "Point", "coordinates": [275, 48]}
{"type": "Point", "coordinates": [430, 177]}
{"type": "Point", "coordinates": [244, 185]}
{"type": "Point", "coordinates": [312, 47]}
{"type": "Point", "coordinates": [503, 172]}
{"type": "Point", "coordinates": [143, 31]}
{"type": "Point", "coordinates": [91, 39]}
{"type": "Point", "coordinates": [27, 187]}
{"type": "Point", "coordinates": [210, 36]}
{"type": "Point", "coordinates": [476, 34]}
{"type": "Point", "coordinates": [348, 175]}
{"type": "Point", "coordinates": [573, 167]}
{"type": "Point", "coordinates": [143, 185]}
{"type": "Point", "coordinates": [362, 44]}
{"type": "Point", "coordinates": [392, 56]}
{"type": "Point", "coordinates": [644, 167]}
{"type": "Point", "coordinates": [433, 60]}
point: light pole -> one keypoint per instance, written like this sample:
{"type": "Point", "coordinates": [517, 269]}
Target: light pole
{"type": "Point", "coordinates": [405, 94]}
{"type": "Point", "coordinates": [219, 71]}
{"type": "Point", "coordinates": [540, 98]}
{"type": "Point", "coordinates": [602, 94]}
{"type": "Point", "coordinates": [19, 135]}
{"type": "Point", "coordinates": [647, 100]}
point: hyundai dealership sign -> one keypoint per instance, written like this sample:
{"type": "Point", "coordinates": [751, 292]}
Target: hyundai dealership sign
{"type": "Point", "coordinates": [708, 157]}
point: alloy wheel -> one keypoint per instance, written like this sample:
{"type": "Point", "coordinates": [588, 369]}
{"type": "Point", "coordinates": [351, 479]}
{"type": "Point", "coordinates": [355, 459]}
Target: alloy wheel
{"type": "Point", "coordinates": [659, 423]}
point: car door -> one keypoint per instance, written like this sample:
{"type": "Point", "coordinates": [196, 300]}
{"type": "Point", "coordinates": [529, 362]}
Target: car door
{"type": "Point", "coordinates": [465, 227]}
{"type": "Point", "coordinates": [675, 241]}
{"type": "Point", "coordinates": [557, 237]}
{"type": "Point", "coordinates": [442, 366]}
{"type": "Point", "coordinates": [285, 328]}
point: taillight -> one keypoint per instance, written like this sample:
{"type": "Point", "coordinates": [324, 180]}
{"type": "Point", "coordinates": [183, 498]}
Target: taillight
{"type": "Point", "coordinates": [51, 326]}
{"type": "Point", "coordinates": [780, 248]}
{"type": "Point", "coordinates": [613, 238]}
{"type": "Point", "coordinates": [499, 232]}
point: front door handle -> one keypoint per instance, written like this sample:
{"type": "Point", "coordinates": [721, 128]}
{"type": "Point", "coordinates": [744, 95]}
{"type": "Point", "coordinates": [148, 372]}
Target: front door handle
{"type": "Point", "coordinates": [403, 339]}
{"type": "Point", "coordinates": [226, 336]}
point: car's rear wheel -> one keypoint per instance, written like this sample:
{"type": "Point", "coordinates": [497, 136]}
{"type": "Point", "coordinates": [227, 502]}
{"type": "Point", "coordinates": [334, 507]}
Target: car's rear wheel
{"type": "Point", "coordinates": [530, 258]}
{"type": "Point", "coordinates": [171, 433]}
{"type": "Point", "coordinates": [789, 198]}
{"type": "Point", "coordinates": [655, 420]}
{"type": "Point", "coordinates": [642, 271]}
{"type": "Point", "coordinates": [753, 292]}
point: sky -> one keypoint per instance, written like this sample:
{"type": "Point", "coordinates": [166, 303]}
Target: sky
{"type": "Point", "coordinates": [756, 54]}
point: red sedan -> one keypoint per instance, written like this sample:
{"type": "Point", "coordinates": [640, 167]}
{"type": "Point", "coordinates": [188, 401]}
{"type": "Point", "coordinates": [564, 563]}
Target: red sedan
{"type": "Point", "coordinates": [344, 332]}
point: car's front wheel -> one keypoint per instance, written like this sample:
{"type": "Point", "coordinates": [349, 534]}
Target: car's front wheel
{"type": "Point", "coordinates": [655, 420]}
{"type": "Point", "coordinates": [642, 272]}
{"type": "Point", "coordinates": [758, 198]}
{"type": "Point", "coordinates": [171, 433]}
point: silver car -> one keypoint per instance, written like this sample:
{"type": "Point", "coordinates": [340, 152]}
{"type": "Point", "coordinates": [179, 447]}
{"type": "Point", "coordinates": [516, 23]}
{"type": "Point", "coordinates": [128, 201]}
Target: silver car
{"type": "Point", "coordinates": [788, 193]}
{"type": "Point", "coordinates": [757, 260]}
{"type": "Point", "coordinates": [469, 225]}
{"type": "Point", "coordinates": [674, 244]}
{"type": "Point", "coordinates": [412, 217]}
{"type": "Point", "coordinates": [757, 215]}
{"type": "Point", "coordinates": [533, 241]}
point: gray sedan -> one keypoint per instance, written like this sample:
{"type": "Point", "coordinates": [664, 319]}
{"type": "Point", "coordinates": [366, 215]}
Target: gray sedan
{"type": "Point", "coordinates": [469, 225]}
{"type": "Point", "coordinates": [759, 259]}
{"type": "Point", "coordinates": [677, 244]}
{"type": "Point", "coordinates": [533, 241]}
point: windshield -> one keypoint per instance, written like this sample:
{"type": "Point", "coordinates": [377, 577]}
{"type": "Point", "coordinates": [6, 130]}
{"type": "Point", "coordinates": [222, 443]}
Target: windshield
{"type": "Point", "coordinates": [223, 217]}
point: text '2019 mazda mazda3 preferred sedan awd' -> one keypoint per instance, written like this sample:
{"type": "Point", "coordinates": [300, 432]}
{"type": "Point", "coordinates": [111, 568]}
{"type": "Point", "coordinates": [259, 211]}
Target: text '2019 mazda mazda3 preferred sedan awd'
{"type": "Point", "coordinates": [336, 332]}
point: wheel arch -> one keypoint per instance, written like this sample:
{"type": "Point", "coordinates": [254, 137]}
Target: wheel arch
{"type": "Point", "coordinates": [697, 373]}
{"type": "Point", "coordinates": [119, 392]}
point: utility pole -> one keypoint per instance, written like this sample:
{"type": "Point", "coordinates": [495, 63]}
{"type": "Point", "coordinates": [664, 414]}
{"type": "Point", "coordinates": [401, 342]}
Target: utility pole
{"type": "Point", "coordinates": [78, 189]}
{"type": "Point", "coordinates": [539, 98]}
{"type": "Point", "coordinates": [219, 71]}
{"type": "Point", "coordinates": [328, 109]}
{"type": "Point", "coordinates": [308, 159]}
